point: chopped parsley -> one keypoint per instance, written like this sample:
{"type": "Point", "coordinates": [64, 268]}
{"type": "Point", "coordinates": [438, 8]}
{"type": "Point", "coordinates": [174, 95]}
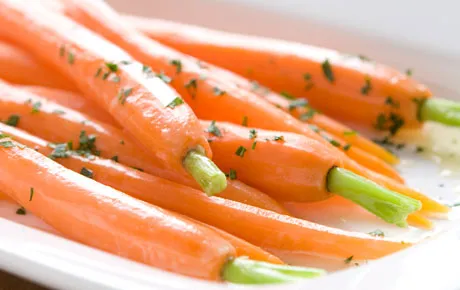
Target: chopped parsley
{"type": "Point", "coordinates": [123, 94]}
{"type": "Point", "coordinates": [255, 85]}
{"type": "Point", "coordinates": [232, 174]}
{"type": "Point", "coordinates": [137, 168]}
{"type": "Point", "coordinates": [87, 144]}
{"type": "Point", "coordinates": [213, 129]}
{"type": "Point", "coordinates": [252, 134]}
{"type": "Point", "coordinates": [391, 102]}
{"type": "Point", "coordinates": [327, 71]}
{"type": "Point", "coordinates": [105, 76]}
{"type": "Point", "coordinates": [163, 77]}
{"type": "Point", "coordinates": [87, 172]}
{"type": "Point", "coordinates": [363, 57]}
{"type": "Point", "coordinates": [36, 107]}
{"type": "Point", "coordinates": [346, 147]}
{"type": "Point", "coordinates": [419, 149]}
{"type": "Point", "coordinates": [287, 96]}
{"type": "Point", "coordinates": [254, 145]}
{"type": "Point", "coordinates": [98, 72]}
{"type": "Point", "coordinates": [60, 150]}
{"type": "Point", "coordinates": [409, 72]}
{"type": "Point", "coordinates": [307, 115]}
{"type": "Point", "coordinates": [115, 79]}
{"type": "Point", "coordinates": [62, 51]}
{"type": "Point", "coordinates": [114, 158]}
{"type": "Point", "coordinates": [12, 120]}
{"type": "Point", "coordinates": [350, 133]}
{"type": "Point", "coordinates": [348, 260]}
{"type": "Point", "coordinates": [178, 64]}
{"type": "Point", "coordinates": [308, 79]}
{"type": "Point", "coordinates": [6, 143]}
{"type": "Point", "coordinates": [392, 123]}
{"type": "Point", "coordinates": [176, 102]}
{"type": "Point", "coordinates": [218, 92]}
{"type": "Point", "coordinates": [191, 87]}
{"type": "Point", "coordinates": [419, 102]}
{"type": "Point", "coordinates": [21, 211]}
{"type": "Point", "coordinates": [367, 86]}
{"type": "Point", "coordinates": [31, 194]}
{"type": "Point", "coordinates": [146, 69]}
{"type": "Point", "coordinates": [70, 57]}
{"type": "Point", "coordinates": [377, 233]}
{"type": "Point", "coordinates": [245, 121]}
{"type": "Point", "coordinates": [299, 103]}
{"type": "Point", "coordinates": [314, 128]}
{"type": "Point", "coordinates": [113, 67]}
{"type": "Point", "coordinates": [278, 138]}
{"type": "Point", "coordinates": [240, 151]}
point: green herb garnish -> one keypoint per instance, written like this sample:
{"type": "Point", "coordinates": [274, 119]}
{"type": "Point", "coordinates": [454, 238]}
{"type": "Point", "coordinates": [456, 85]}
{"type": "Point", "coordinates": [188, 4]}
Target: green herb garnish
{"type": "Point", "coordinates": [163, 77]}
{"type": "Point", "coordinates": [36, 107]}
{"type": "Point", "coordinates": [12, 120]}
{"type": "Point", "coordinates": [213, 129]}
{"type": "Point", "coordinates": [240, 151]}
{"type": "Point", "coordinates": [21, 211]}
{"type": "Point", "coordinates": [191, 87]}
{"type": "Point", "coordinates": [114, 158]}
{"type": "Point", "coordinates": [87, 172]}
{"type": "Point", "coordinates": [176, 102]}
{"type": "Point", "coordinates": [299, 103]}
{"type": "Point", "coordinates": [31, 194]}
{"type": "Point", "coordinates": [218, 92]}
{"type": "Point", "coordinates": [113, 67]}
{"type": "Point", "coordinates": [391, 102]}
{"type": "Point", "coordinates": [367, 86]}
{"type": "Point", "coordinates": [350, 133]}
{"type": "Point", "coordinates": [232, 174]}
{"type": "Point", "coordinates": [254, 145]}
{"type": "Point", "coordinates": [178, 64]}
{"type": "Point", "coordinates": [327, 71]}
{"type": "Point", "coordinates": [252, 134]}
{"type": "Point", "coordinates": [348, 260]}
{"type": "Point", "coordinates": [377, 233]}
{"type": "Point", "coordinates": [245, 121]}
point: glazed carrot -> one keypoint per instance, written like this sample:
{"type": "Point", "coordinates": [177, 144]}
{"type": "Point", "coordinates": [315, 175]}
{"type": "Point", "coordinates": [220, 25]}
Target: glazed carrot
{"type": "Point", "coordinates": [74, 101]}
{"type": "Point", "coordinates": [18, 66]}
{"type": "Point", "coordinates": [289, 151]}
{"type": "Point", "coordinates": [135, 229]}
{"type": "Point", "coordinates": [285, 233]}
{"type": "Point", "coordinates": [348, 87]}
{"type": "Point", "coordinates": [59, 124]}
{"type": "Point", "coordinates": [200, 86]}
{"type": "Point", "coordinates": [70, 203]}
{"type": "Point", "coordinates": [146, 106]}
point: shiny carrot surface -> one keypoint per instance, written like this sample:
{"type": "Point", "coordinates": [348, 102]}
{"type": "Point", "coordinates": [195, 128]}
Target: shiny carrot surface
{"type": "Point", "coordinates": [72, 203]}
{"type": "Point", "coordinates": [60, 124]}
{"type": "Point", "coordinates": [199, 84]}
{"type": "Point", "coordinates": [19, 67]}
{"type": "Point", "coordinates": [262, 228]}
{"type": "Point", "coordinates": [142, 102]}
{"type": "Point", "coordinates": [344, 86]}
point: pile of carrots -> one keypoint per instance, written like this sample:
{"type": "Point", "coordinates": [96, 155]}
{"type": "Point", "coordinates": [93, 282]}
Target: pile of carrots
{"type": "Point", "coordinates": [177, 146]}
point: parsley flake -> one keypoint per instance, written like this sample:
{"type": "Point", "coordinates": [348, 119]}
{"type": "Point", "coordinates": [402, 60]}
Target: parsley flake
{"type": "Point", "coordinates": [213, 129]}
{"type": "Point", "coordinates": [36, 107]}
{"type": "Point", "coordinates": [178, 64]}
{"type": "Point", "coordinates": [31, 194]}
{"type": "Point", "coordinates": [299, 103]}
{"type": "Point", "coordinates": [327, 71]}
{"type": "Point", "coordinates": [21, 211]}
{"type": "Point", "coordinates": [218, 92]}
{"type": "Point", "coordinates": [87, 172]}
{"type": "Point", "coordinates": [240, 151]}
{"type": "Point", "coordinates": [245, 121]}
{"type": "Point", "coordinates": [348, 260]}
{"type": "Point", "coordinates": [377, 233]}
{"type": "Point", "coordinates": [12, 120]}
{"type": "Point", "coordinates": [176, 102]}
{"type": "Point", "coordinates": [113, 67]}
{"type": "Point", "coordinates": [163, 77]}
{"type": "Point", "coordinates": [252, 133]}
{"type": "Point", "coordinates": [191, 87]}
{"type": "Point", "coordinates": [232, 174]}
{"type": "Point", "coordinates": [367, 86]}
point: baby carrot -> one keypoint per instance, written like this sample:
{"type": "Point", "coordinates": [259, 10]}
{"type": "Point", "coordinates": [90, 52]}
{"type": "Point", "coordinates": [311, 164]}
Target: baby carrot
{"type": "Point", "coordinates": [18, 66]}
{"type": "Point", "coordinates": [60, 196]}
{"type": "Point", "coordinates": [199, 85]}
{"type": "Point", "coordinates": [146, 106]}
{"type": "Point", "coordinates": [136, 230]}
{"type": "Point", "coordinates": [91, 137]}
{"type": "Point", "coordinates": [348, 87]}
{"type": "Point", "coordinates": [291, 167]}
{"type": "Point", "coordinates": [72, 100]}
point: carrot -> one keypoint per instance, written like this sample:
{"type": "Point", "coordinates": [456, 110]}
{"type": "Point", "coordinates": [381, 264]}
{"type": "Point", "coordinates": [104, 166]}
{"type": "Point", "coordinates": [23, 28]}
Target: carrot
{"type": "Point", "coordinates": [39, 116]}
{"type": "Point", "coordinates": [290, 179]}
{"type": "Point", "coordinates": [146, 106]}
{"type": "Point", "coordinates": [348, 87]}
{"type": "Point", "coordinates": [201, 87]}
{"type": "Point", "coordinates": [60, 196]}
{"type": "Point", "coordinates": [74, 101]}
{"type": "Point", "coordinates": [18, 66]}
{"type": "Point", "coordinates": [285, 233]}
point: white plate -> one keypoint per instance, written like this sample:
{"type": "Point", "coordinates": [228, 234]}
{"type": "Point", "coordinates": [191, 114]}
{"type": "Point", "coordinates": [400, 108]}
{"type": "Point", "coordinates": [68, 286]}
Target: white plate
{"type": "Point", "coordinates": [353, 26]}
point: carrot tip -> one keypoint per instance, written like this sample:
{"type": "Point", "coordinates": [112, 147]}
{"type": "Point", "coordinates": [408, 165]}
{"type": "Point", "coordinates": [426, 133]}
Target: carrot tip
{"type": "Point", "coordinates": [210, 178]}
{"type": "Point", "coordinates": [390, 206]}
{"type": "Point", "coordinates": [440, 110]}
{"type": "Point", "coordinates": [245, 271]}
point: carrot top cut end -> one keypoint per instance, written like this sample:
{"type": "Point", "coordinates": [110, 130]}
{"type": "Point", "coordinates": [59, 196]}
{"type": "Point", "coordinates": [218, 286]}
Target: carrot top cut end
{"type": "Point", "coordinates": [390, 206]}
{"type": "Point", "coordinates": [440, 110]}
{"type": "Point", "coordinates": [245, 271]}
{"type": "Point", "coordinates": [210, 178]}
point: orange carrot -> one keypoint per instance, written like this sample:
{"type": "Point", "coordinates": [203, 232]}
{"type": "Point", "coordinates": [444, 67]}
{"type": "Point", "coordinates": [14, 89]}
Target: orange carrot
{"type": "Point", "coordinates": [344, 86]}
{"type": "Point", "coordinates": [261, 227]}
{"type": "Point", "coordinates": [102, 139]}
{"type": "Point", "coordinates": [291, 178]}
{"type": "Point", "coordinates": [146, 106]}
{"type": "Point", "coordinates": [71, 203]}
{"type": "Point", "coordinates": [201, 87]}
{"type": "Point", "coordinates": [18, 66]}
{"type": "Point", "coordinates": [76, 164]}
{"type": "Point", "coordinates": [74, 101]}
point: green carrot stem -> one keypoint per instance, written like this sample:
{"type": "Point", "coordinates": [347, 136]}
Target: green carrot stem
{"type": "Point", "coordinates": [390, 206]}
{"type": "Point", "coordinates": [441, 111]}
{"type": "Point", "coordinates": [205, 172]}
{"type": "Point", "coordinates": [246, 271]}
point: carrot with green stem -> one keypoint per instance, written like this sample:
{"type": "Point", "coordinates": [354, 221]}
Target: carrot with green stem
{"type": "Point", "coordinates": [136, 230]}
{"type": "Point", "coordinates": [151, 110]}
{"type": "Point", "coordinates": [85, 166]}
{"type": "Point", "coordinates": [201, 87]}
{"type": "Point", "coordinates": [348, 87]}
{"type": "Point", "coordinates": [291, 167]}
{"type": "Point", "coordinates": [285, 233]}
{"type": "Point", "coordinates": [60, 124]}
